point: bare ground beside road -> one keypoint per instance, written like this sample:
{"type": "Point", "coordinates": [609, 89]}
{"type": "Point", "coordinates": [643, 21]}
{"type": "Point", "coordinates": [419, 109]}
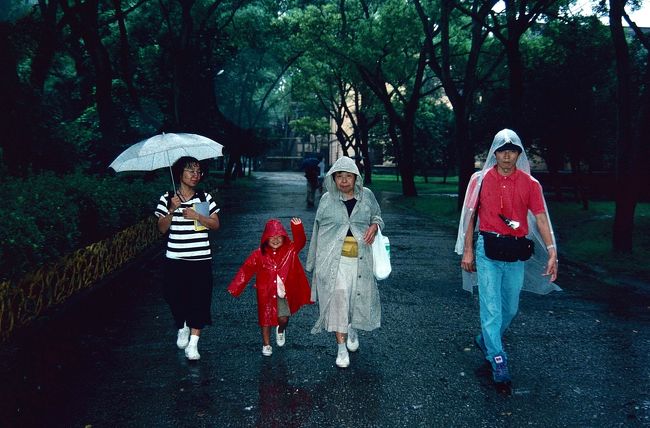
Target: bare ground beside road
{"type": "Point", "coordinates": [579, 357]}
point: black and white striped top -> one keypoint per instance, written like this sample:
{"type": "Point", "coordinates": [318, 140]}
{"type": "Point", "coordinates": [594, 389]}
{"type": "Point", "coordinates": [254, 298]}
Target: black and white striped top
{"type": "Point", "coordinates": [183, 242]}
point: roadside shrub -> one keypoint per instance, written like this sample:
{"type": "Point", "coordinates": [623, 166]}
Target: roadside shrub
{"type": "Point", "coordinates": [50, 216]}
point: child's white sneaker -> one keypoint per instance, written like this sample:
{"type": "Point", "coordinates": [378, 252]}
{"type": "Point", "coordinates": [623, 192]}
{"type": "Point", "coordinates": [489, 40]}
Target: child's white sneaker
{"type": "Point", "coordinates": [280, 338]}
{"type": "Point", "coordinates": [183, 338]}
{"type": "Point", "coordinates": [267, 351]}
{"type": "Point", "coordinates": [352, 341]}
{"type": "Point", "coordinates": [343, 358]}
{"type": "Point", "coordinates": [192, 350]}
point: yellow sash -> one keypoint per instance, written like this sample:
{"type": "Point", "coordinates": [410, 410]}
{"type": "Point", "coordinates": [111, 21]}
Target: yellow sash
{"type": "Point", "coordinates": [350, 247]}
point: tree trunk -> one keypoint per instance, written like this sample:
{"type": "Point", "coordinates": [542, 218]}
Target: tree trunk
{"type": "Point", "coordinates": [626, 173]}
{"type": "Point", "coordinates": [46, 46]}
{"type": "Point", "coordinates": [125, 55]}
{"type": "Point", "coordinates": [83, 19]}
{"type": "Point", "coordinates": [405, 122]}
{"type": "Point", "coordinates": [465, 151]}
{"type": "Point", "coordinates": [12, 155]}
{"type": "Point", "coordinates": [406, 165]}
{"type": "Point", "coordinates": [516, 83]}
{"type": "Point", "coordinates": [367, 162]}
{"type": "Point", "coordinates": [363, 125]}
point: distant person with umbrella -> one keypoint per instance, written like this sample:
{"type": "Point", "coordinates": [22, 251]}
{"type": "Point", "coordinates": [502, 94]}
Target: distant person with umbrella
{"type": "Point", "coordinates": [321, 173]}
{"type": "Point", "coordinates": [312, 171]}
{"type": "Point", "coordinates": [186, 216]}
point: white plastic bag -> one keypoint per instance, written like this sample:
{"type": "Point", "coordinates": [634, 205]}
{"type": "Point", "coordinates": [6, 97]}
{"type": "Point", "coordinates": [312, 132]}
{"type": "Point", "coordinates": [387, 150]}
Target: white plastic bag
{"type": "Point", "coordinates": [381, 256]}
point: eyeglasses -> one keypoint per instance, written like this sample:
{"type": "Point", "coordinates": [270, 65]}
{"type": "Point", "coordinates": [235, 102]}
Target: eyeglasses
{"type": "Point", "coordinates": [196, 172]}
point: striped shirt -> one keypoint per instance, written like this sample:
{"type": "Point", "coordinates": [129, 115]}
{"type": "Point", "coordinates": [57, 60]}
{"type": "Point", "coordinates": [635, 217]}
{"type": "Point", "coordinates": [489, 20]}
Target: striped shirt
{"type": "Point", "coordinates": [183, 242]}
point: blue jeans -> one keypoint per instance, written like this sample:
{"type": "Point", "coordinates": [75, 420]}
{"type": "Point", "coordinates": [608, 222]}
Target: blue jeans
{"type": "Point", "coordinates": [499, 285]}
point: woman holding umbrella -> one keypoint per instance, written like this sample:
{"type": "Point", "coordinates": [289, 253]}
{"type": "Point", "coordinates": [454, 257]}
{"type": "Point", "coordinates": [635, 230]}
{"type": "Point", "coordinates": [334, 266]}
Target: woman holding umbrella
{"type": "Point", "coordinates": [188, 264]}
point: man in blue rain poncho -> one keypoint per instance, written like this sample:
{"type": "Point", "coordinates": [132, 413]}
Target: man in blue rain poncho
{"type": "Point", "coordinates": [505, 204]}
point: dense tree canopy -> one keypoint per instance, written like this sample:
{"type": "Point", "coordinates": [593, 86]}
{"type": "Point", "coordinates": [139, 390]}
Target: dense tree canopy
{"type": "Point", "coordinates": [426, 83]}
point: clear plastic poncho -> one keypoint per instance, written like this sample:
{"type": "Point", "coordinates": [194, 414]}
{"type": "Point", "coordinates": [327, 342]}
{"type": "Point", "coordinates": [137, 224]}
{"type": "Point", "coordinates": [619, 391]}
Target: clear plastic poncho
{"type": "Point", "coordinates": [534, 281]}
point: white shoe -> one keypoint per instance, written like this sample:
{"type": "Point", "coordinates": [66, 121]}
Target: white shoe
{"type": "Point", "coordinates": [280, 338]}
{"type": "Point", "coordinates": [183, 338]}
{"type": "Point", "coordinates": [267, 351]}
{"type": "Point", "coordinates": [192, 350]}
{"type": "Point", "coordinates": [352, 341]}
{"type": "Point", "coordinates": [343, 359]}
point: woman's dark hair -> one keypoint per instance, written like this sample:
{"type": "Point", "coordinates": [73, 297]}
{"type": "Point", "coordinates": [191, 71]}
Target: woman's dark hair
{"type": "Point", "coordinates": [181, 164]}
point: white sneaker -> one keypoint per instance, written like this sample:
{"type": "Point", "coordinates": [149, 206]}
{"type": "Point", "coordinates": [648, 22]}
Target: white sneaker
{"type": "Point", "coordinates": [183, 338]}
{"type": "Point", "coordinates": [343, 359]}
{"type": "Point", "coordinates": [352, 341]}
{"type": "Point", "coordinates": [280, 338]}
{"type": "Point", "coordinates": [192, 350]}
{"type": "Point", "coordinates": [267, 350]}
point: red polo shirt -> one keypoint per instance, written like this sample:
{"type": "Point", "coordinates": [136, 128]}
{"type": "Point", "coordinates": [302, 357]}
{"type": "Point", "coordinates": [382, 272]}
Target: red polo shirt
{"type": "Point", "coordinates": [511, 196]}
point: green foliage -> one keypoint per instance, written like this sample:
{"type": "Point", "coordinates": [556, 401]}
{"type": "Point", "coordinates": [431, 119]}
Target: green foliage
{"type": "Point", "coordinates": [585, 236]}
{"type": "Point", "coordinates": [80, 130]}
{"type": "Point", "coordinates": [571, 84]}
{"type": "Point", "coordinates": [433, 142]}
{"type": "Point", "coordinates": [283, 63]}
{"type": "Point", "coordinates": [54, 215]}
{"type": "Point", "coordinates": [308, 125]}
{"type": "Point", "coordinates": [252, 91]}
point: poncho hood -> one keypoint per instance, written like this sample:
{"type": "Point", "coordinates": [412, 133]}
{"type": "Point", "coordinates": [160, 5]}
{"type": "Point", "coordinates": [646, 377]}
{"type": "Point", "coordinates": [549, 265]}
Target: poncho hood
{"type": "Point", "coordinates": [273, 228]}
{"type": "Point", "coordinates": [503, 137]}
{"type": "Point", "coordinates": [344, 164]}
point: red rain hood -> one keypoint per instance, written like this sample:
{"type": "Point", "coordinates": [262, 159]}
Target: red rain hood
{"type": "Point", "coordinates": [273, 228]}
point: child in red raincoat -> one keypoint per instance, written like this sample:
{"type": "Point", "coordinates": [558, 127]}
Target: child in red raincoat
{"type": "Point", "coordinates": [281, 283]}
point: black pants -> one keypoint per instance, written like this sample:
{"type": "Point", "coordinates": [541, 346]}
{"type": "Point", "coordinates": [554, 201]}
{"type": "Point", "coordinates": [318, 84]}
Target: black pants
{"type": "Point", "coordinates": [188, 291]}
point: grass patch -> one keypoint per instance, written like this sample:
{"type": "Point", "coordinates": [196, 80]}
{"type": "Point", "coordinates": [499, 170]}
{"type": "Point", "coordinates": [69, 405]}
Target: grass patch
{"type": "Point", "coordinates": [584, 236]}
{"type": "Point", "coordinates": [434, 185]}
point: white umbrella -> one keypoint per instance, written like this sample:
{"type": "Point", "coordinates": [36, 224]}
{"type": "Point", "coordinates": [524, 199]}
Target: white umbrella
{"type": "Point", "coordinates": [163, 150]}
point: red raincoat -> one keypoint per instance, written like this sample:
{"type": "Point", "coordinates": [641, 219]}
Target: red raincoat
{"type": "Point", "coordinates": [270, 264]}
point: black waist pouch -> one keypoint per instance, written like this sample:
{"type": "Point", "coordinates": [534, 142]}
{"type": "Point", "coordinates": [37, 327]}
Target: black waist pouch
{"type": "Point", "coordinates": [507, 248]}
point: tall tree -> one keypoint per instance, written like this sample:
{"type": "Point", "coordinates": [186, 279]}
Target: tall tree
{"type": "Point", "coordinates": [339, 93]}
{"type": "Point", "coordinates": [570, 85]}
{"type": "Point", "coordinates": [628, 147]}
{"type": "Point", "coordinates": [48, 38]}
{"type": "Point", "coordinates": [383, 47]}
{"type": "Point", "coordinates": [520, 16]}
{"type": "Point", "coordinates": [254, 89]}
{"type": "Point", "coordinates": [394, 68]}
{"type": "Point", "coordinates": [459, 67]}
{"type": "Point", "coordinates": [83, 19]}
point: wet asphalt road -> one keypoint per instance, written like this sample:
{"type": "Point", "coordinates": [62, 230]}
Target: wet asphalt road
{"type": "Point", "coordinates": [109, 359]}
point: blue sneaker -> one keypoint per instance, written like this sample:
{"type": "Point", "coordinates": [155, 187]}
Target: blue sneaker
{"type": "Point", "coordinates": [500, 372]}
{"type": "Point", "coordinates": [478, 340]}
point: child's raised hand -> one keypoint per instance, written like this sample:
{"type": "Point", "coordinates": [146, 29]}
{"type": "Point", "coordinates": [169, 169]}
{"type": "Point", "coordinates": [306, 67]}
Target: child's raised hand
{"type": "Point", "coordinates": [296, 220]}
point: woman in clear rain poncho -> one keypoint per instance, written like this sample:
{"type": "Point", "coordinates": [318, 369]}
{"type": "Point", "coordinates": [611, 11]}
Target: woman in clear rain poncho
{"type": "Point", "coordinates": [503, 191]}
{"type": "Point", "coordinates": [340, 257]}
